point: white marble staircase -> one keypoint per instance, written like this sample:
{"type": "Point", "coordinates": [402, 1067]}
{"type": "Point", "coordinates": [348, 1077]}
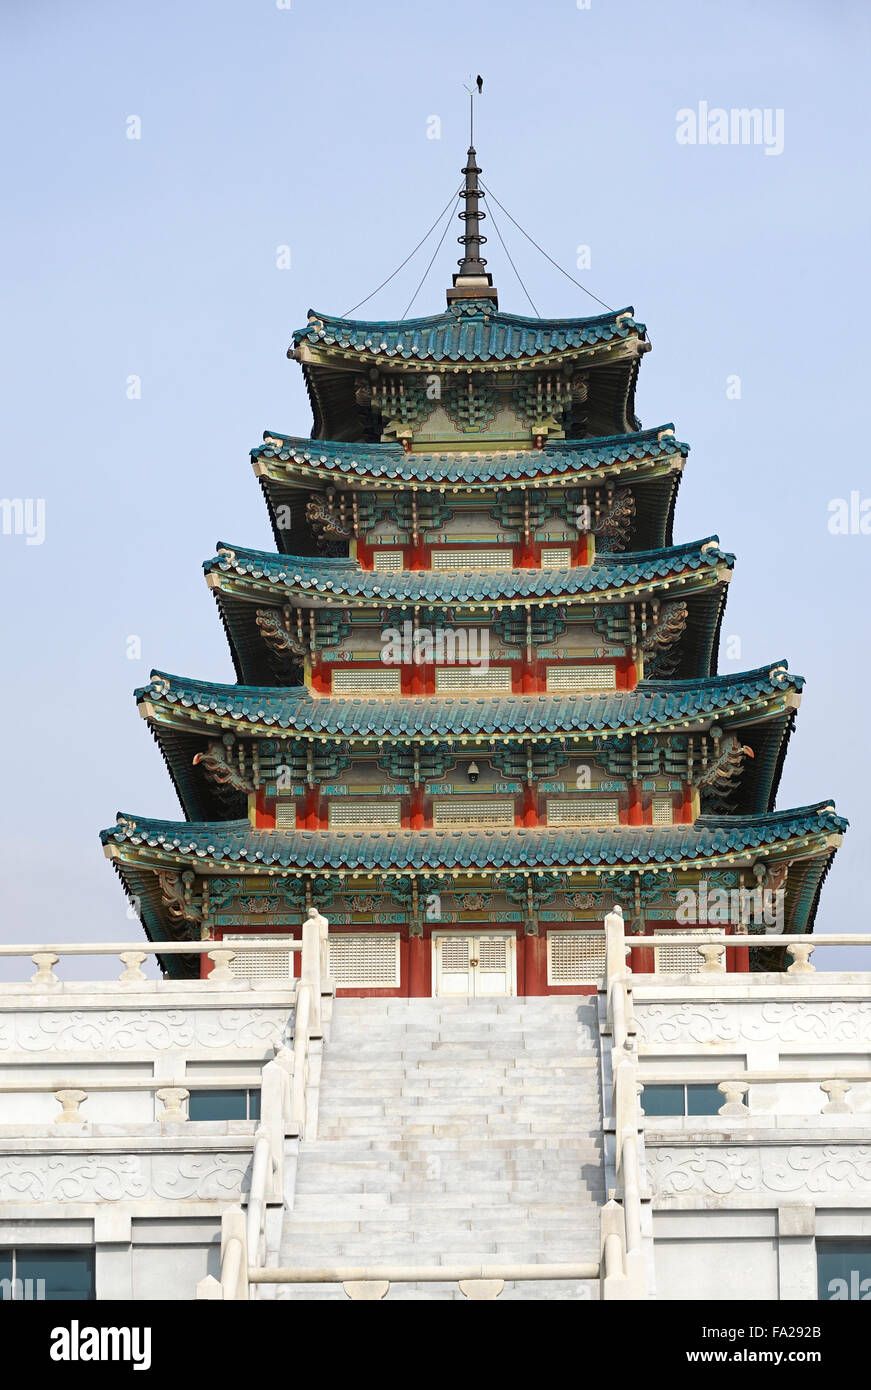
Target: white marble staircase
{"type": "Point", "coordinates": [452, 1131]}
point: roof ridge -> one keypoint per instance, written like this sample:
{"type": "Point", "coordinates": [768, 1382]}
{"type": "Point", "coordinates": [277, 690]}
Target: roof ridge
{"type": "Point", "coordinates": [453, 313]}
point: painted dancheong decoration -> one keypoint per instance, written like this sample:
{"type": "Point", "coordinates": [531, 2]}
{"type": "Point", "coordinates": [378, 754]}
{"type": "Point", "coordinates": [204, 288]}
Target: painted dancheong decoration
{"type": "Point", "coordinates": [478, 699]}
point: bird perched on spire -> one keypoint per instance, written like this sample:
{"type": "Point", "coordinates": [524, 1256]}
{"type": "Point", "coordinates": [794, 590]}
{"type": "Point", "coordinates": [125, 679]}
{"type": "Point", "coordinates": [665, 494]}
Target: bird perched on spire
{"type": "Point", "coordinates": [480, 81]}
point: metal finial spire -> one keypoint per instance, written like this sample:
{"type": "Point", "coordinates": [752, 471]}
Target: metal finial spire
{"type": "Point", "coordinates": [472, 282]}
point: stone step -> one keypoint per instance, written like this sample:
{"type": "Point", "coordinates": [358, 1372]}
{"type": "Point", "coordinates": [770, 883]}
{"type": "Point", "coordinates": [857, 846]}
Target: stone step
{"type": "Point", "coordinates": [527, 1292]}
{"type": "Point", "coordinates": [468, 1145]}
{"type": "Point", "coordinates": [453, 1130]}
{"type": "Point", "coordinates": [448, 1169]}
{"type": "Point", "coordinates": [440, 1086]}
{"type": "Point", "coordinates": [521, 1222]}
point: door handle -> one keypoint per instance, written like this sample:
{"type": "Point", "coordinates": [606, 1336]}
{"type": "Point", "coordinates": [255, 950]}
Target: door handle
{"type": "Point", "coordinates": [473, 963]}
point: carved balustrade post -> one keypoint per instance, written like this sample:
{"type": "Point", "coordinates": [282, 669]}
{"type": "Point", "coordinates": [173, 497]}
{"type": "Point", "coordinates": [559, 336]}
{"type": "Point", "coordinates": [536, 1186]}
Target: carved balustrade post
{"type": "Point", "coordinates": [734, 1091]}
{"type": "Point", "coordinates": [173, 1098]}
{"type": "Point", "coordinates": [45, 976]}
{"type": "Point", "coordinates": [222, 974]}
{"type": "Point", "coordinates": [801, 953]}
{"type": "Point", "coordinates": [837, 1094]}
{"type": "Point", "coordinates": [70, 1100]}
{"type": "Point", "coordinates": [714, 957]}
{"type": "Point", "coordinates": [132, 974]}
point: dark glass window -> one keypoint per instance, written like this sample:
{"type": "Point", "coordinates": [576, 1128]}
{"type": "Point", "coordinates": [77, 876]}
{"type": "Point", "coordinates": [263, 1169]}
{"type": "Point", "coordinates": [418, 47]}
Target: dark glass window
{"type": "Point", "coordinates": [677, 1099]}
{"type": "Point", "coordinates": [52, 1273]}
{"type": "Point", "coordinates": [663, 1100]}
{"type": "Point", "coordinates": [844, 1270]}
{"type": "Point", "coordinates": [224, 1105]}
{"type": "Point", "coordinates": [704, 1100]}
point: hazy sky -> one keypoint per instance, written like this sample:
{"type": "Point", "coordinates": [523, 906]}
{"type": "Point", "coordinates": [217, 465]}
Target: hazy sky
{"type": "Point", "coordinates": [264, 126]}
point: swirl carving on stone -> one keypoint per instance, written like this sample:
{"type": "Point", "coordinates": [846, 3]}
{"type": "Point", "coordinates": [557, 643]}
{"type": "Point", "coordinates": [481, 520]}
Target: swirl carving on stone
{"type": "Point", "coordinates": [79, 1030]}
{"type": "Point", "coordinates": [123, 1177]}
{"type": "Point", "coordinates": [721, 1171]}
{"type": "Point", "coordinates": [762, 1021]}
{"type": "Point", "coordinates": [213, 1176]}
{"type": "Point", "coordinates": [831, 1169]}
{"type": "Point", "coordinates": [70, 1178]}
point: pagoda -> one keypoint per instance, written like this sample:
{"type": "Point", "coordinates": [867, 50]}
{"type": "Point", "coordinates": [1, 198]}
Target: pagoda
{"type": "Point", "coordinates": [478, 702]}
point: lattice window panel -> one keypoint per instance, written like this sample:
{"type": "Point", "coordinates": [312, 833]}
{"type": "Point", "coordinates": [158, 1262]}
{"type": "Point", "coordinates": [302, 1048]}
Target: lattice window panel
{"type": "Point", "coordinates": [460, 810]}
{"type": "Point", "coordinates": [581, 678]}
{"type": "Point", "coordinates": [466, 679]}
{"type": "Point", "coordinates": [584, 811]}
{"type": "Point", "coordinates": [455, 954]}
{"type": "Point", "coordinates": [285, 815]}
{"type": "Point", "coordinates": [369, 682]}
{"type": "Point", "coordinates": [575, 957]}
{"type": "Point", "coordinates": [360, 962]}
{"type": "Point", "coordinates": [387, 561]}
{"type": "Point", "coordinates": [663, 811]}
{"type": "Point", "coordinates": [492, 952]}
{"type": "Point", "coordinates": [678, 960]}
{"type": "Point", "coordinates": [556, 557]}
{"type": "Point", "coordinates": [472, 560]}
{"type": "Point", "coordinates": [260, 965]}
{"type": "Point", "coordinates": [364, 813]}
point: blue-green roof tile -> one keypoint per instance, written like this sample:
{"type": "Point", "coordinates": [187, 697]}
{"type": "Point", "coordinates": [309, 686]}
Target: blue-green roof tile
{"type": "Point", "coordinates": [236, 843]}
{"type": "Point", "coordinates": [296, 710]}
{"type": "Point", "coordinates": [470, 331]}
{"type": "Point", "coordinates": [342, 576]}
{"type": "Point", "coordinates": [390, 461]}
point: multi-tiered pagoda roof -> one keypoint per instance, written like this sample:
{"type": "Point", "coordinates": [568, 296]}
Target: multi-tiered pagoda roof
{"type": "Point", "coordinates": [552, 738]}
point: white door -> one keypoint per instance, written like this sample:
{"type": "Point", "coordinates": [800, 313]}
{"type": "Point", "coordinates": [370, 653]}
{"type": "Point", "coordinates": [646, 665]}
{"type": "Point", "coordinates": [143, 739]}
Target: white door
{"type": "Point", "coordinates": [473, 966]}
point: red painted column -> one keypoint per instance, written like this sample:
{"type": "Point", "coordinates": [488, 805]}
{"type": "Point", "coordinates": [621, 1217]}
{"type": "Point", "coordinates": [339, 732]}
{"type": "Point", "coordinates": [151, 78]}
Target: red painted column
{"type": "Point", "coordinates": [529, 811]}
{"type": "Point", "coordinates": [737, 957]}
{"type": "Point", "coordinates": [308, 819]}
{"type": "Point", "coordinates": [535, 965]}
{"type": "Point", "coordinates": [525, 557]}
{"type": "Point", "coordinates": [416, 818]}
{"type": "Point", "coordinates": [418, 985]}
{"type": "Point", "coordinates": [644, 960]}
{"type": "Point", "coordinates": [636, 814]}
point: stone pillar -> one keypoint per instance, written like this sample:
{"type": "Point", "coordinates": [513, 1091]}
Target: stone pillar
{"type": "Point", "coordinates": [796, 1259]}
{"type": "Point", "coordinates": [113, 1255]}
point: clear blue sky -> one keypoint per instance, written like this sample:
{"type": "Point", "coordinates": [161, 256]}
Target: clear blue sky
{"type": "Point", "coordinates": [263, 127]}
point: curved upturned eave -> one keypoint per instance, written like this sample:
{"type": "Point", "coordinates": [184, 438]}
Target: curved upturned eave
{"type": "Point", "coordinates": [611, 577]}
{"type": "Point", "coordinates": [465, 333]}
{"type": "Point", "coordinates": [388, 463]}
{"type": "Point", "coordinates": [185, 715]}
{"type": "Point", "coordinates": [234, 845]}
{"type": "Point", "coordinates": [652, 704]}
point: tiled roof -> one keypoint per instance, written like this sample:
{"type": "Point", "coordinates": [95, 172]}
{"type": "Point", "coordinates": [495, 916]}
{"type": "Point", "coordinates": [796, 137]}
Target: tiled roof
{"type": "Point", "coordinates": [470, 331]}
{"type": "Point", "coordinates": [390, 461]}
{"type": "Point", "coordinates": [651, 703]}
{"type": "Point", "coordinates": [339, 577]}
{"type": "Point", "coordinates": [235, 843]}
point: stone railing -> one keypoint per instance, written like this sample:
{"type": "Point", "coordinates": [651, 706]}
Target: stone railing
{"type": "Point", "coordinates": [288, 1110]}
{"type": "Point", "coordinates": [712, 945]}
{"type": "Point", "coordinates": [476, 1281]}
{"type": "Point", "coordinates": [736, 1098]}
{"type": "Point", "coordinates": [624, 1263]}
{"type": "Point", "coordinates": [133, 955]}
{"type": "Point", "coordinates": [264, 1179]}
